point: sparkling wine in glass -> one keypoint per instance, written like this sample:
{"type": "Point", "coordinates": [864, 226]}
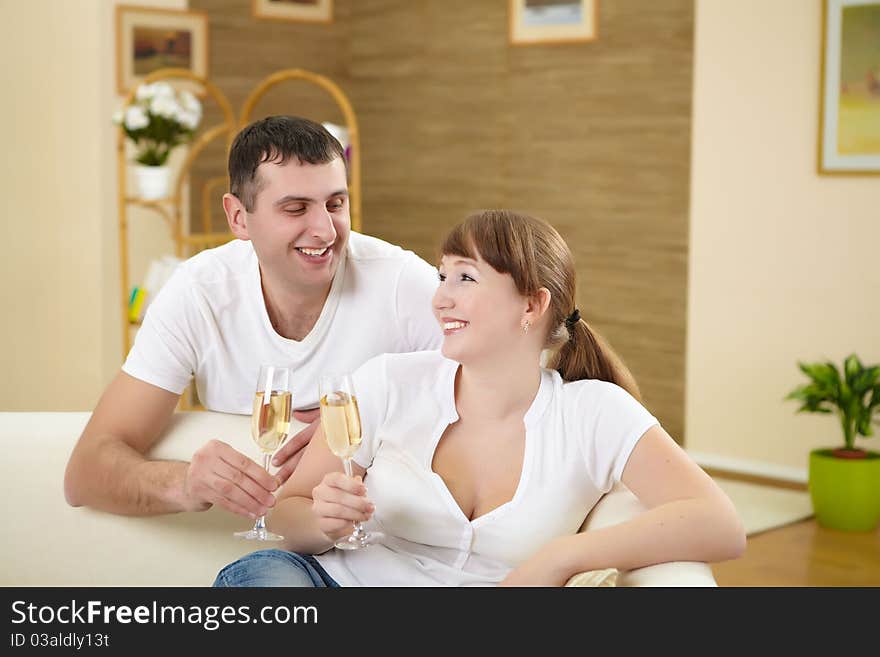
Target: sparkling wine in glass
{"type": "Point", "coordinates": [270, 425]}
{"type": "Point", "coordinates": [341, 424]}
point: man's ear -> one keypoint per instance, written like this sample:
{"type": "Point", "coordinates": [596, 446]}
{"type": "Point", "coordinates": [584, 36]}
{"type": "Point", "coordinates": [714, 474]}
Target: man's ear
{"type": "Point", "coordinates": [537, 305]}
{"type": "Point", "coordinates": [236, 216]}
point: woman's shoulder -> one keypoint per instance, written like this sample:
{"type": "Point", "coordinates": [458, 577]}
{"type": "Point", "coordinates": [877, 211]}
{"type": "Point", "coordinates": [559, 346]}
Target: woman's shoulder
{"type": "Point", "coordinates": [588, 387]}
{"type": "Point", "coordinates": [602, 413]}
{"type": "Point", "coordinates": [593, 393]}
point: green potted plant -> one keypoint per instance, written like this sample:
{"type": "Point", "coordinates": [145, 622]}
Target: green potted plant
{"type": "Point", "coordinates": [844, 481]}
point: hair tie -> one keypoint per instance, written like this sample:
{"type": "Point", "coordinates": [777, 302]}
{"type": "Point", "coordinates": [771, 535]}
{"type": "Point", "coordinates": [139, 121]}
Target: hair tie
{"type": "Point", "coordinates": [573, 319]}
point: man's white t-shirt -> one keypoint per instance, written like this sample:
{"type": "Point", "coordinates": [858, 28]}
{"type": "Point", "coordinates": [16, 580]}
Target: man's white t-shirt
{"type": "Point", "coordinates": [210, 321]}
{"type": "Point", "coordinates": [579, 436]}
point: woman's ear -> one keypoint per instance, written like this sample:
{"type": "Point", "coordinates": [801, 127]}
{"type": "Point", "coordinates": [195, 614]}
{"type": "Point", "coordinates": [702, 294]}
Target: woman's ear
{"type": "Point", "coordinates": [537, 305]}
{"type": "Point", "coordinates": [236, 216]}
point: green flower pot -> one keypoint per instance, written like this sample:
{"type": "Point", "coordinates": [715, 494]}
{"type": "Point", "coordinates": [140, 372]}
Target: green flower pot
{"type": "Point", "coordinates": [845, 492]}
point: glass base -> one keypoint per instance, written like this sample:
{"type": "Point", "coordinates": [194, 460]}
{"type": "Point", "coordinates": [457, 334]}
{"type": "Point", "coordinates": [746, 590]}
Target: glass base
{"type": "Point", "coordinates": [259, 535]}
{"type": "Point", "coordinates": [358, 541]}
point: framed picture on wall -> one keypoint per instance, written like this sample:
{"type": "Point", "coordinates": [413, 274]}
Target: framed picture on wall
{"type": "Point", "coordinates": [148, 39]}
{"type": "Point", "coordinates": [310, 11]}
{"type": "Point", "coordinates": [849, 103]}
{"type": "Point", "coordinates": [553, 21]}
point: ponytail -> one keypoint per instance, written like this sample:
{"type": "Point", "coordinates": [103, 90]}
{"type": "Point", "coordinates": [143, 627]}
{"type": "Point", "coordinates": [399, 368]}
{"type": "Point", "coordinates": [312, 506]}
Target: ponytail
{"type": "Point", "coordinates": [586, 355]}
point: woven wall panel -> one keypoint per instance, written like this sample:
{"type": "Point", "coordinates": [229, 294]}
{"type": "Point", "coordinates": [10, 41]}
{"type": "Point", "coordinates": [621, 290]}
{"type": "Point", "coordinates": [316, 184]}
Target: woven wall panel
{"type": "Point", "coordinates": [593, 137]}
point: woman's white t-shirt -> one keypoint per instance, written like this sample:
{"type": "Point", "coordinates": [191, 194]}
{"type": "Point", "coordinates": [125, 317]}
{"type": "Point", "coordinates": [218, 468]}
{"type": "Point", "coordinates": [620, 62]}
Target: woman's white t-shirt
{"type": "Point", "coordinates": [210, 321]}
{"type": "Point", "coordinates": [579, 436]}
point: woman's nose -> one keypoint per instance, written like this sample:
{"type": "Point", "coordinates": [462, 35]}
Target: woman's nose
{"type": "Point", "coordinates": [441, 299]}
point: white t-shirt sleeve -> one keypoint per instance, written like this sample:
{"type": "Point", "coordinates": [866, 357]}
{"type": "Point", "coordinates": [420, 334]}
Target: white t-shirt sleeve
{"type": "Point", "coordinates": [164, 353]}
{"type": "Point", "coordinates": [415, 289]}
{"type": "Point", "coordinates": [370, 382]}
{"type": "Point", "coordinates": [614, 423]}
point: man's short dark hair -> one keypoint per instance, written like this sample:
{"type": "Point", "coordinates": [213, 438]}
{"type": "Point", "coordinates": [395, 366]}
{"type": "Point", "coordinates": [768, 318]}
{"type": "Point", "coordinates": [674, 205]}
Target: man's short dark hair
{"type": "Point", "coordinates": [276, 139]}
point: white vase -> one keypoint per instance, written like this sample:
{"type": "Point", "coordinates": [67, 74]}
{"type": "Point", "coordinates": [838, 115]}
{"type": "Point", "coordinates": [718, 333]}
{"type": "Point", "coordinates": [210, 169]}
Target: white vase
{"type": "Point", "coordinates": [153, 182]}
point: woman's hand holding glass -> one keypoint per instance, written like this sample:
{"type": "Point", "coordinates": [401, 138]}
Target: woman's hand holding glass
{"type": "Point", "coordinates": [338, 501]}
{"type": "Point", "coordinates": [341, 424]}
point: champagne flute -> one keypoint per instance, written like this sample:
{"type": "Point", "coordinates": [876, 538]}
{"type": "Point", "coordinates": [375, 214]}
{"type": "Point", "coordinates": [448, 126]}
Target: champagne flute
{"type": "Point", "coordinates": [270, 425]}
{"type": "Point", "coordinates": [341, 424]}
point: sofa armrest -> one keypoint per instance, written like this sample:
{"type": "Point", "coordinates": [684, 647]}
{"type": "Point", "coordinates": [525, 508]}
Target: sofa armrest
{"type": "Point", "coordinates": [57, 545]}
{"type": "Point", "coordinates": [617, 506]}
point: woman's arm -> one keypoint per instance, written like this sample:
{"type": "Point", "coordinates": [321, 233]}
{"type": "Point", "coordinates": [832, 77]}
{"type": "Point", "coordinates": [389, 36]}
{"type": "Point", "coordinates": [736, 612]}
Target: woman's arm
{"type": "Point", "coordinates": [689, 518]}
{"type": "Point", "coordinates": [318, 502]}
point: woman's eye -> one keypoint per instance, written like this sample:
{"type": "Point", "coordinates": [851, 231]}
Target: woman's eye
{"type": "Point", "coordinates": [462, 277]}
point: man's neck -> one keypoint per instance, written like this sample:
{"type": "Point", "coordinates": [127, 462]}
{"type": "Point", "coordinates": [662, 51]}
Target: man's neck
{"type": "Point", "coordinates": [293, 311]}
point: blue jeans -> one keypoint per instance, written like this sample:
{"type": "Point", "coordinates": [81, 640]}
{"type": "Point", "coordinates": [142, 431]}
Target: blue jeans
{"type": "Point", "coordinates": [275, 568]}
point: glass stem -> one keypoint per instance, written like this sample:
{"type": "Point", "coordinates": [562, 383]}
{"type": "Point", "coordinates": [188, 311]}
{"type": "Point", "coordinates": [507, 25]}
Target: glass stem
{"type": "Point", "coordinates": [260, 524]}
{"type": "Point", "coordinates": [358, 527]}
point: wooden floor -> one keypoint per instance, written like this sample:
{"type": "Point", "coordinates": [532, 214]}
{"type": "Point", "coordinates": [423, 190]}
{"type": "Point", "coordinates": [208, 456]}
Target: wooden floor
{"type": "Point", "coordinates": [805, 554]}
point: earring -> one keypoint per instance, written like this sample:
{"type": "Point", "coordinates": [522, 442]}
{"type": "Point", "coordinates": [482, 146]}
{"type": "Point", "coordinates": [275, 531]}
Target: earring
{"type": "Point", "coordinates": [525, 327]}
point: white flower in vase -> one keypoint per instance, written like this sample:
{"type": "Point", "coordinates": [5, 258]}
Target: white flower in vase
{"type": "Point", "coordinates": [158, 120]}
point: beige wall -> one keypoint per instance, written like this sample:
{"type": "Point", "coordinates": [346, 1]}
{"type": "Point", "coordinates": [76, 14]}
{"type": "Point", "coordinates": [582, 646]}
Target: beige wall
{"type": "Point", "coordinates": [52, 188]}
{"type": "Point", "coordinates": [594, 138]}
{"type": "Point", "coordinates": [783, 262]}
{"type": "Point", "coordinates": [60, 330]}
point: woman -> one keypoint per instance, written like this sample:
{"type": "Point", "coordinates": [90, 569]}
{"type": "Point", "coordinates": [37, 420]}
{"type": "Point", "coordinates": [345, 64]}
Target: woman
{"type": "Point", "coordinates": [481, 464]}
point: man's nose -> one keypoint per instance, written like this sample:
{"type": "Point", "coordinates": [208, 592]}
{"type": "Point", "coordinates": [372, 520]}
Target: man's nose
{"type": "Point", "coordinates": [321, 225]}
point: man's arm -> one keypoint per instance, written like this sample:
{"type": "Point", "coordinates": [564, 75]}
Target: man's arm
{"type": "Point", "coordinates": [108, 470]}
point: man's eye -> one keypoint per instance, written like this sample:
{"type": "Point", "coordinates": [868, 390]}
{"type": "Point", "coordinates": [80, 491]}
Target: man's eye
{"type": "Point", "coordinates": [295, 209]}
{"type": "Point", "coordinates": [338, 204]}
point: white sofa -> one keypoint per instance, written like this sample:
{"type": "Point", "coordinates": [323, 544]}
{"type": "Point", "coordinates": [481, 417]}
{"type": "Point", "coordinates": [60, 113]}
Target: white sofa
{"type": "Point", "coordinates": [48, 543]}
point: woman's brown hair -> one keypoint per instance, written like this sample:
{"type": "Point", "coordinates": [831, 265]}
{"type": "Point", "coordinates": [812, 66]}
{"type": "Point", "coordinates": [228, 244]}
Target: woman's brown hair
{"type": "Point", "coordinates": [536, 256]}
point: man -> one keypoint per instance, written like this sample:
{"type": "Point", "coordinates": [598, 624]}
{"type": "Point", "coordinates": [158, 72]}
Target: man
{"type": "Point", "coordinates": [296, 288]}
